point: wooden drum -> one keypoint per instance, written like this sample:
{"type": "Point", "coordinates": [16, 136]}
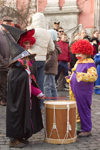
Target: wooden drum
{"type": "Point", "coordinates": [60, 122]}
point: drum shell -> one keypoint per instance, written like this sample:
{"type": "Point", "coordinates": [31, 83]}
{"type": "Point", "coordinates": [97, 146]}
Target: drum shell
{"type": "Point", "coordinates": [62, 114]}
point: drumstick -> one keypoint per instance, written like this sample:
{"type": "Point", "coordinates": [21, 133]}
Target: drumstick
{"type": "Point", "coordinates": [56, 98]}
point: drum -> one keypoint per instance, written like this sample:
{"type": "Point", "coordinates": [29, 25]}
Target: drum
{"type": "Point", "coordinates": [60, 122]}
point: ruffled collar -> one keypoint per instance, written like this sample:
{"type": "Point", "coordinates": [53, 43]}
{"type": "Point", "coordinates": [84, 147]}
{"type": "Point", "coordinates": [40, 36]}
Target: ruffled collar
{"type": "Point", "coordinates": [86, 60]}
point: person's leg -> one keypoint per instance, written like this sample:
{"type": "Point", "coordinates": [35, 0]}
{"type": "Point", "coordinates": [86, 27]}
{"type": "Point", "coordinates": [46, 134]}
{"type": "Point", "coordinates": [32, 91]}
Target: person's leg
{"type": "Point", "coordinates": [59, 70]}
{"type": "Point", "coordinates": [84, 108]}
{"type": "Point", "coordinates": [3, 81]}
{"type": "Point", "coordinates": [65, 68]}
{"type": "Point", "coordinates": [65, 72]}
{"type": "Point", "coordinates": [53, 88]}
{"type": "Point", "coordinates": [61, 82]}
{"type": "Point", "coordinates": [40, 71]}
{"type": "Point", "coordinates": [47, 87]}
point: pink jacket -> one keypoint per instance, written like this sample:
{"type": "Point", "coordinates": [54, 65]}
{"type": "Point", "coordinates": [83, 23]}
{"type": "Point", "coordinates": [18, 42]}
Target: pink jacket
{"type": "Point", "coordinates": [36, 91]}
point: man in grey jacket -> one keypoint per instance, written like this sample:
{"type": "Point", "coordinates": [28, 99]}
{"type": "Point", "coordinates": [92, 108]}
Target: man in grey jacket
{"type": "Point", "coordinates": [4, 59]}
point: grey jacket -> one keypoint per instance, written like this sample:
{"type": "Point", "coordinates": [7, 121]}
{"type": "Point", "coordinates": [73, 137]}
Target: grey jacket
{"type": "Point", "coordinates": [4, 51]}
{"type": "Point", "coordinates": [51, 65]}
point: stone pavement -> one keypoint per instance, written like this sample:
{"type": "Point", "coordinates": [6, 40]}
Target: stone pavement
{"type": "Point", "coordinates": [37, 140]}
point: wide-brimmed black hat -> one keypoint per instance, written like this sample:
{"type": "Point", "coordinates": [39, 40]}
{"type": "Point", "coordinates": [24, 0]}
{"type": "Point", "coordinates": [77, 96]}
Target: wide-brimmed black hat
{"type": "Point", "coordinates": [17, 33]}
{"type": "Point", "coordinates": [16, 51]}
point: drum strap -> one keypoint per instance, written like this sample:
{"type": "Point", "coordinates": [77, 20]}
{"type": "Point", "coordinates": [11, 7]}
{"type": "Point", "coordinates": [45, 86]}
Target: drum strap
{"type": "Point", "coordinates": [68, 127]}
{"type": "Point", "coordinates": [54, 126]}
{"type": "Point", "coordinates": [45, 121]}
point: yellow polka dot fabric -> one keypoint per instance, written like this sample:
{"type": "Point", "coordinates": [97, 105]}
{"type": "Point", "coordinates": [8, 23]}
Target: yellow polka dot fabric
{"type": "Point", "coordinates": [72, 98]}
{"type": "Point", "coordinates": [90, 76]}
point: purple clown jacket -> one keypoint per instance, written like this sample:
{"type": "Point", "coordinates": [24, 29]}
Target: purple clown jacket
{"type": "Point", "coordinates": [81, 84]}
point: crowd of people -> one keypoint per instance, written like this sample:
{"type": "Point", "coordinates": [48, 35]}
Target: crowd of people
{"type": "Point", "coordinates": [34, 64]}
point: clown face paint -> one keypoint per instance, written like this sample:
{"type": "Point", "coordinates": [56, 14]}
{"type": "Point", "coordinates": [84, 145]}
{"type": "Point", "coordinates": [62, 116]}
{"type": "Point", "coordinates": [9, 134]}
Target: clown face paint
{"type": "Point", "coordinates": [27, 45]}
{"type": "Point", "coordinates": [80, 56]}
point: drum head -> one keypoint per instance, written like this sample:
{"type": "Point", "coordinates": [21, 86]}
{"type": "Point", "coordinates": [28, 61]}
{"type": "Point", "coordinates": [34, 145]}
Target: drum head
{"type": "Point", "coordinates": [63, 104]}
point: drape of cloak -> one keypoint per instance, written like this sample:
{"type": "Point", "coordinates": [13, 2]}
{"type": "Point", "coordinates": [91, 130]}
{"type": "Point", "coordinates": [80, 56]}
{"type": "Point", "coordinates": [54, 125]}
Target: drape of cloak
{"type": "Point", "coordinates": [33, 68]}
{"type": "Point", "coordinates": [21, 121]}
{"type": "Point", "coordinates": [83, 95]}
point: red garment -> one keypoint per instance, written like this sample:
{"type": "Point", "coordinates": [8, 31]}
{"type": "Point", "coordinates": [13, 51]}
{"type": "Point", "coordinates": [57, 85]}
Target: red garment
{"type": "Point", "coordinates": [65, 55]}
{"type": "Point", "coordinates": [94, 51]}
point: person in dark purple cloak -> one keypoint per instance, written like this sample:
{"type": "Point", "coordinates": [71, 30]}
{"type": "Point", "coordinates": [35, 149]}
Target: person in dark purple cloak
{"type": "Point", "coordinates": [81, 83]}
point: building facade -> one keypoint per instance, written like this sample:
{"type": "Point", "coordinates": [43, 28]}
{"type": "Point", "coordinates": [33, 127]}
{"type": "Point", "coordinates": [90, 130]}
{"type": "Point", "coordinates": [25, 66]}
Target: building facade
{"type": "Point", "coordinates": [73, 15]}
{"type": "Point", "coordinates": [70, 13]}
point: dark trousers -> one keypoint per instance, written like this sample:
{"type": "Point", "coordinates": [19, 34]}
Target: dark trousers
{"type": "Point", "coordinates": [61, 81]}
{"type": "Point", "coordinates": [3, 81]}
{"type": "Point", "coordinates": [40, 71]}
{"type": "Point", "coordinates": [62, 66]}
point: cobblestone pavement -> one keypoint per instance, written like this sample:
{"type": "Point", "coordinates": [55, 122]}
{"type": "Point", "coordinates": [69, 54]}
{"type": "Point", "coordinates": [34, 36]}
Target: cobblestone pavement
{"type": "Point", "coordinates": [37, 140]}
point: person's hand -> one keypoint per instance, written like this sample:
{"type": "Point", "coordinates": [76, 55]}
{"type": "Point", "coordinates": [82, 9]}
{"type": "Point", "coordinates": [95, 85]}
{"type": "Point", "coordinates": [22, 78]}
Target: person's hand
{"type": "Point", "coordinates": [27, 63]}
{"type": "Point", "coordinates": [68, 65]}
{"type": "Point", "coordinates": [69, 73]}
{"type": "Point", "coordinates": [58, 39]}
{"type": "Point", "coordinates": [41, 97]}
{"type": "Point", "coordinates": [66, 77]}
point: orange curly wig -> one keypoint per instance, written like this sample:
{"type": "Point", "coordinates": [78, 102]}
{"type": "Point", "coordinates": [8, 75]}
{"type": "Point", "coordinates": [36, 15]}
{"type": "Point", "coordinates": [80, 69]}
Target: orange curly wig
{"type": "Point", "coordinates": [83, 47]}
{"type": "Point", "coordinates": [27, 36]}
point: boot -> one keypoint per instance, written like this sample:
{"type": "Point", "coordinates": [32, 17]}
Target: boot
{"type": "Point", "coordinates": [16, 144]}
{"type": "Point", "coordinates": [22, 140]}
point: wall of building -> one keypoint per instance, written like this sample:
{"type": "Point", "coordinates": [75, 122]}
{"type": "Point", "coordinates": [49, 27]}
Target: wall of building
{"type": "Point", "coordinates": [41, 5]}
{"type": "Point", "coordinates": [21, 3]}
{"type": "Point", "coordinates": [86, 17]}
{"type": "Point", "coordinates": [61, 3]}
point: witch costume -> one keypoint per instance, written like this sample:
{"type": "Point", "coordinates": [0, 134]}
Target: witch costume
{"type": "Point", "coordinates": [81, 83]}
{"type": "Point", "coordinates": [23, 112]}
{"type": "Point", "coordinates": [19, 36]}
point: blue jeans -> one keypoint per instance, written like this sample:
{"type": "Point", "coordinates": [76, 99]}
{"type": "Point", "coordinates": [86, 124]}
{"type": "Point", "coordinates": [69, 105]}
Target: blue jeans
{"type": "Point", "coordinates": [40, 71]}
{"type": "Point", "coordinates": [50, 87]}
{"type": "Point", "coordinates": [64, 66]}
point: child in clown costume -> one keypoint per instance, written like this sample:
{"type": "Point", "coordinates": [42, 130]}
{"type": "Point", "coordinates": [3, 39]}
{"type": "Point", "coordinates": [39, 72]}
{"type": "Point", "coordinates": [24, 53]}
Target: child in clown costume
{"type": "Point", "coordinates": [81, 84]}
